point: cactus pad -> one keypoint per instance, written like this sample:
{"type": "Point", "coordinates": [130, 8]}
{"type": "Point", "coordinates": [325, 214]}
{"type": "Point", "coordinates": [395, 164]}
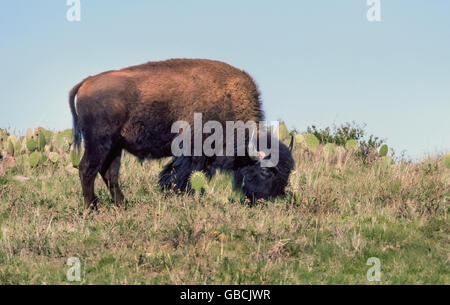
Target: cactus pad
{"type": "Point", "coordinates": [299, 139]}
{"type": "Point", "coordinates": [198, 181]}
{"type": "Point", "coordinates": [54, 157]}
{"type": "Point", "coordinates": [351, 145]}
{"type": "Point", "coordinates": [383, 151]}
{"type": "Point", "coordinates": [74, 158]}
{"type": "Point", "coordinates": [34, 159]}
{"type": "Point", "coordinates": [329, 149]}
{"type": "Point", "coordinates": [283, 132]}
{"type": "Point", "coordinates": [446, 160]}
{"type": "Point", "coordinates": [311, 142]}
{"type": "Point", "coordinates": [10, 148]}
{"type": "Point", "coordinates": [31, 144]}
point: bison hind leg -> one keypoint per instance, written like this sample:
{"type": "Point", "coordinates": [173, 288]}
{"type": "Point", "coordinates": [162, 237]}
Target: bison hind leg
{"type": "Point", "coordinates": [110, 174]}
{"type": "Point", "coordinates": [90, 165]}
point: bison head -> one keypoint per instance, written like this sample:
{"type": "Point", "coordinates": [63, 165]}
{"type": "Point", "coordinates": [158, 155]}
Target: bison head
{"type": "Point", "coordinates": [259, 176]}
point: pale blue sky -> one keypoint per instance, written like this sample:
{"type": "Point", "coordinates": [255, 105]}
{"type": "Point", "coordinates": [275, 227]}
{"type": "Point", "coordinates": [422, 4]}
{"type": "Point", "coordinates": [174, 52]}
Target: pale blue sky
{"type": "Point", "coordinates": [316, 62]}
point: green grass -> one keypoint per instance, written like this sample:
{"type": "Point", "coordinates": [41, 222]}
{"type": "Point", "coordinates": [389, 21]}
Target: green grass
{"type": "Point", "coordinates": [335, 216]}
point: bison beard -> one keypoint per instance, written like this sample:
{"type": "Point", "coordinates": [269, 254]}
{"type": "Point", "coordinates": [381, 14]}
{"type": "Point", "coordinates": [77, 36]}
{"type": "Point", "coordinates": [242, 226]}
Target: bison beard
{"type": "Point", "coordinates": [134, 109]}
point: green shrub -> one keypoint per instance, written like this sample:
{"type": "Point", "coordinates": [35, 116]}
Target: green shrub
{"type": "Point", "coordinates": [340, 135]}
{"type": "Point", "coordinates": [345, 132]}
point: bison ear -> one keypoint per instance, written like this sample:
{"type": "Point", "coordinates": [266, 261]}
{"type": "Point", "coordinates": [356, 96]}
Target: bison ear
{"type": "Point", "coordinates": [291, 144]}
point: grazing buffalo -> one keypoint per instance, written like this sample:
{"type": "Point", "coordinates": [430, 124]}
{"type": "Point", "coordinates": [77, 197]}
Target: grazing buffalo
{"type": "Point", "coordinates": [134, 109]}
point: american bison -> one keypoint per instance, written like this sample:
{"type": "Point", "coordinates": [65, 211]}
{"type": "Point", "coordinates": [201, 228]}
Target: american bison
{"type": "Point", "coordinates": [134, 109]}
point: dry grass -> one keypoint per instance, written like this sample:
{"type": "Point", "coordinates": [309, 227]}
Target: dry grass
{"type": "Point", "coordinates": [336, 215]}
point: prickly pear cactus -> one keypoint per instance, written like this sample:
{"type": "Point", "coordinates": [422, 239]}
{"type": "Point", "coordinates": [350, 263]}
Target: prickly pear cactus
{"type": "Point", "coordinates": [47, 149]}
{"type": "Point", "coordinates": [283, 132]}
{"type": "Point", "coordinates": [17, 148]}
{"type": "Point", "coordinates": [48, 135]}
{"type": "Point", "coordinates": [31, 144]}
{"type": "Point", "coordinates": [40, 141]}
{"type": "Point", "coordinates": [68, 134]}
{"type": "Point", "coordinates": [446, 160]}
{"type": "Point", "coordinates": [329, 149]}
{"type": "Point", "coordinates": [299, 139]}
{"type": "Point", "coordinates": [10, 148]}
{"type": "Point", "coordinates": [54, 157]}
{"type": "Point", "coordinates": [34, 159]}
{"type": "Point", "coordinates": [63, 140]}
{"type": "Point", "coordinates": [3, 139]}
{"type": "Point", "coordinates": [13, 138]}
{"type": "Point", "coordinates": [75, 158]}
{"type": "Point", "coordinates": [13, 145]}
{"type": "Point", "coordinates": [23, 146]}
{"type": "Point", "coordinates": [198, 181]}
{"type": "Point", "coordinates": [383, 151]}
{"type": "Point", "coordinates": [311, 142]}
{"type": "Point", "coordinates": [351, 145]}
{"type": "Point", "coordinates": [22, 160]}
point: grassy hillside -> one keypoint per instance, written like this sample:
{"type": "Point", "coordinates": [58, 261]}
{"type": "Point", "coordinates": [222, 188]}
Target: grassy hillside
{"type": "Point", "coordinates": [338, 212]}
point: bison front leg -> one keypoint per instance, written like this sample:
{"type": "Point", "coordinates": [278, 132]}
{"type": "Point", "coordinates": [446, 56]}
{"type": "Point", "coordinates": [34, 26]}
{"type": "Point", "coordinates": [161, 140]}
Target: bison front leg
{"type": "Point", "coordinates": [177, 172]}
{"type": "Point", "coordinates": [167, 176]}
{"type": "Point", "coordinates": [110, 174]}
{"type": "Point", "coordinates": [175, 175]}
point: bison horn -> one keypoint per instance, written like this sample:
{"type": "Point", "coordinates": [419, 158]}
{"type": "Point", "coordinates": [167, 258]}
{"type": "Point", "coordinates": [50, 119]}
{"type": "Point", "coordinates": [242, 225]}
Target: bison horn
{"type": "Point", "coordinates": [291, 144]}
{"type": "Point", "coordinates": [253, 153]}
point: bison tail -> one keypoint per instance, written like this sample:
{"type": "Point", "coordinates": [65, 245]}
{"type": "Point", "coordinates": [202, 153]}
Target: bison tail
{"type": "Point", "coordinates": [76, 128]}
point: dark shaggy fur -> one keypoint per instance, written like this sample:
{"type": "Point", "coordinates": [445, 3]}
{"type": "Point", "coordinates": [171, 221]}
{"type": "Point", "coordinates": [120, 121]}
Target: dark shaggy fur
{"type": "Point", "coordinates": [134, 108]}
